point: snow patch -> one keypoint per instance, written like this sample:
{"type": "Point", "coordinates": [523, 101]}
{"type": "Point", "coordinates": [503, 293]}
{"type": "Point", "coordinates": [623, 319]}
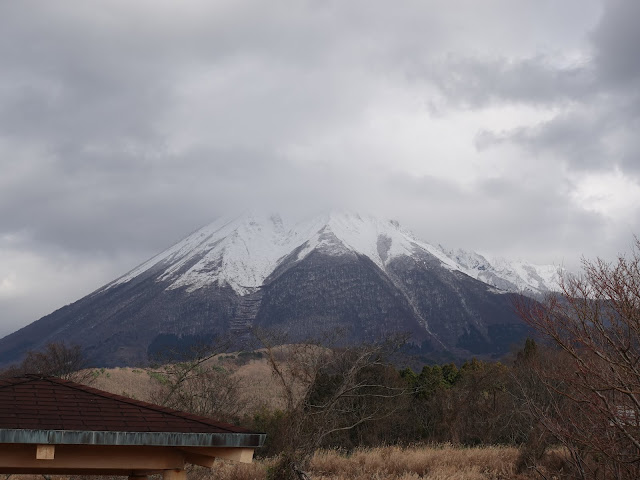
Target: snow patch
{"type": "Point", "coordinates": [242, 252]}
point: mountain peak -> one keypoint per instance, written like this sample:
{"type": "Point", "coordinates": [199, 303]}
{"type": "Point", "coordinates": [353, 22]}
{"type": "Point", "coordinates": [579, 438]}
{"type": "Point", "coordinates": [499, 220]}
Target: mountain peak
{"type": "Point", "coordinates": [341, 270]}
{"type": "Point", "coordinates": [243, 251]}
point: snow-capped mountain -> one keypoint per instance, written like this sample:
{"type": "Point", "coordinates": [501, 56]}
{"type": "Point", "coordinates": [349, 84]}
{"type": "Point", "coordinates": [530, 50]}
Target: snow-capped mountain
{"type": "Point", "coordinates": [242, 252]}
{"type": "Point", "coordinates": [513, 276]}
{"type": "Point", "coordinates": [364, 276]}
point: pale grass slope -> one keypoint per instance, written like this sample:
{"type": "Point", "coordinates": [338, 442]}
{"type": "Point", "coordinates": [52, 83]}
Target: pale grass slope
{"type": "Point", "coordinates": [258, 388]}
{"type": "Point", "coordinates": [129, 382]}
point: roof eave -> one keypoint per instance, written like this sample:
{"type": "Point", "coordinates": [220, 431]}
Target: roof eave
{"type": "Point", "coordinates": [163, 439]}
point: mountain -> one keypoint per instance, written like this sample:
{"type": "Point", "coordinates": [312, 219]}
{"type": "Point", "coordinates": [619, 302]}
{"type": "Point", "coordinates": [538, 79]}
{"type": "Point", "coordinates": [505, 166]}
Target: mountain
{"type": "Point", "coordinates": [513, 276]}
{"type": "Point", "coordinates": [365, 277]}
{"type": "Point", "coordinates": [242, 252]}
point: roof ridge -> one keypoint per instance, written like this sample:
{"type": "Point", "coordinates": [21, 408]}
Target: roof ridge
{"type": "Point", "coordinates": [11, 381]}
{"type": "Point", "coordinates": [139, 403]}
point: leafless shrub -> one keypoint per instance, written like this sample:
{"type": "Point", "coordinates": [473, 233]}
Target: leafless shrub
{"type": "Point", "coordinates": [198, 384]}
{"type": "Point", "coordinates": [590, 395]}
{"type": "Point", "coordinates": [56, 359]}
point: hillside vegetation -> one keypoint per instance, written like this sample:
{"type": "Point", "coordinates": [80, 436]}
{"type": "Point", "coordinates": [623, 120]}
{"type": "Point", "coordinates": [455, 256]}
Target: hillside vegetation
{"type": "Point", "coordinates": [250, 373]}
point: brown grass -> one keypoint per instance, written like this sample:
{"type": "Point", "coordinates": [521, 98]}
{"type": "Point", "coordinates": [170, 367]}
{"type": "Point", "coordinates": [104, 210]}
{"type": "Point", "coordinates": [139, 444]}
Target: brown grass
{"type": "Point", "coordinates": [395, 463]}
{"type": "Point", "coordinates": [130, 382]}
{"type": "Point", "coordinates": [259, 389]}
{"type": "Point", "coordinates": [405, 463]}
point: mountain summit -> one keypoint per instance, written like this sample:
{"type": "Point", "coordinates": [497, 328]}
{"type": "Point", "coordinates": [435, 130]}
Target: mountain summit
{"type": "Point", "coordinates": [365, 276]}
{"type": "Point", "coordinates": [242, 252]}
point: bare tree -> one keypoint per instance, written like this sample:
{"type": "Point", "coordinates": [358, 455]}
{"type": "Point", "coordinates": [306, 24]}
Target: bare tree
{"type": "Point", "coordinates": [593, 389]}
{"type": "Point", "coordinates": [56, 359]}
{"type": "Point", "coordinates": [539, 381]}
{"type": "Point", "coordinates": [327, 392]}
{"type": "Point", "coordinates": [194, 381]}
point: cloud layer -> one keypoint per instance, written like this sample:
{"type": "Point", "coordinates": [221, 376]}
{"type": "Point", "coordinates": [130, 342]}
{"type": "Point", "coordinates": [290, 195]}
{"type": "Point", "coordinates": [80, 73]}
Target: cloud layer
{"type": "Point", "coordinates": [509, 128]}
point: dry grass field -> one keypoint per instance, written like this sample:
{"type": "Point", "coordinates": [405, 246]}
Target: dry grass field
{"type": "Point", "coordinates": [257, 386]}
{"type": "Point", "coordinates": [130, 382]}
{"type": "Point", "coordinates": [394, 463]}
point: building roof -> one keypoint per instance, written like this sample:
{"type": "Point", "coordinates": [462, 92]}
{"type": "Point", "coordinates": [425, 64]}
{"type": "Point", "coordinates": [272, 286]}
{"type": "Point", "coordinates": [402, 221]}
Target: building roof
{"type": "Point", "coordinates": [40, 409]}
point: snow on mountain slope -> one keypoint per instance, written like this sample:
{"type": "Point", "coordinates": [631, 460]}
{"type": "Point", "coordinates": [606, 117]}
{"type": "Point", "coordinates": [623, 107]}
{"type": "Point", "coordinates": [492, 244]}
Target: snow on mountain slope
{"type": "Point", "coordinates": [542, 278]}
{"type": "Point", "coordinates": [242, 252]}
{"type": "Point", "coordinates": [380, 240]}
{"type": "Point", "coordinates": [515, 276]}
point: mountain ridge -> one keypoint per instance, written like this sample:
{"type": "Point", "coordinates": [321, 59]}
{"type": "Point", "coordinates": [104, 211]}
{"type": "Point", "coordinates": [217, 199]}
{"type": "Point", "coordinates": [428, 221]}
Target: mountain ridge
{"type": "Point", "coordinates": [367, 277]}
{"type": "Point", "coordinates": [277, 240]}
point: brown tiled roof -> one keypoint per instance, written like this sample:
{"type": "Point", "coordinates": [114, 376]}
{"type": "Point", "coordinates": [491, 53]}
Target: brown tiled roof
{"type": "Point", "coordinates": [39, 403]}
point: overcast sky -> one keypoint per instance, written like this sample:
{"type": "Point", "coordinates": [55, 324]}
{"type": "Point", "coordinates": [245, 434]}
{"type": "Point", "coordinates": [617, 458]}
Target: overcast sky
{"type": "Point", "coordinates": [503, 126]}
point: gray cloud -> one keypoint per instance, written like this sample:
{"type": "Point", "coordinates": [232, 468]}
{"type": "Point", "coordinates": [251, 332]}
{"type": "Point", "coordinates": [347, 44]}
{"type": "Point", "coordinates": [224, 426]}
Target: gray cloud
{"type": "Point", "coordinates": [539, 221]}
{"type": "Point", "coordinates": [615, 42]}
{"type": "Point", "coordinates": [126, 125]}
{"type": "Point", "coordinates": [477, 82]}
{"type": "Point", "coordinates": [596, 130]}
{"type": "Point", "coordinates": [574, 137]}
{"type": "Point", "coordinates": [595, 135]}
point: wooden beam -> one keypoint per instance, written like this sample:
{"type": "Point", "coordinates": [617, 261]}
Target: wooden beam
{"type": "Point", "coordinates": [45, 452]}
{"type": "Point", "coordinates": [242, 455]}
{"type": "Point", "coordinates": [69, 471]}
{"type": "Point", "coordinates": [23, 457]}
